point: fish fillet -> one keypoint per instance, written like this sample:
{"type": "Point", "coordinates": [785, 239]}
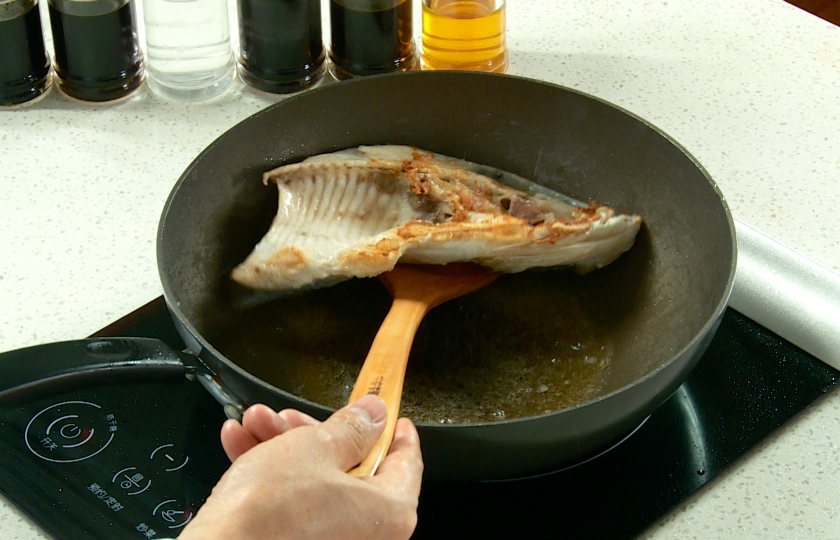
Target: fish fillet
{"type": "Point", "coordinates": [356, 212]}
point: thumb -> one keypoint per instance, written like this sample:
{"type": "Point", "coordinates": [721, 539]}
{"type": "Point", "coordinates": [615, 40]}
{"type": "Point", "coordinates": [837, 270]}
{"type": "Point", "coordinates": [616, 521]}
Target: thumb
{"type": "Point", "coordinates": [350, 433]}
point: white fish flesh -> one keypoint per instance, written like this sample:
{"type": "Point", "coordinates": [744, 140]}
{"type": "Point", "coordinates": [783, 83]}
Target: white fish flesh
{"type": "Point", "coordinates": [357, 212]}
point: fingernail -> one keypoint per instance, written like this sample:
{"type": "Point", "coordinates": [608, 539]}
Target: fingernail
{"type": "Point", "coordinates": [372, 407]}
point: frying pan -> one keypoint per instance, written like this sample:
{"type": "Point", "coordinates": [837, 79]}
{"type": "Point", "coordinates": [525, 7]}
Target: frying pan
{"type": "Point", "coordinates": [655, 309]}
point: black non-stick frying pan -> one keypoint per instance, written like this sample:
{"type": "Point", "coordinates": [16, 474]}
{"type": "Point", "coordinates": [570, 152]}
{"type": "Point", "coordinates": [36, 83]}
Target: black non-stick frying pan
{"type": "Point", "coordinates": [536, 372]}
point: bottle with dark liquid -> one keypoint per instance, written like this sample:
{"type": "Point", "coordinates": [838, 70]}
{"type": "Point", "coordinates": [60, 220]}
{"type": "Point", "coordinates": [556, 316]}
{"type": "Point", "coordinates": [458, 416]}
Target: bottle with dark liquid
{"type": "Point", "coordinates": [97, 53]}
{"type": "Point", "coordinates": [370, 37]}
{"type": "Point", "coordinates": [24, 63]}
{"type": "Point", "coordinates": [280, 45]}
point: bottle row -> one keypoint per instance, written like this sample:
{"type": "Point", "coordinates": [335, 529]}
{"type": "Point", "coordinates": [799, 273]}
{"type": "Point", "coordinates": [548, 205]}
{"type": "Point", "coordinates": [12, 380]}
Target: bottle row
{"type": "Point", "coordinates": [189, 54]}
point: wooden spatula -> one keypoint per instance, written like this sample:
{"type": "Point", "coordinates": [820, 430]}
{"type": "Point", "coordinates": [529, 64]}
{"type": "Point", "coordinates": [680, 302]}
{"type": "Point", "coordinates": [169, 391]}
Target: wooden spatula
{"type": "Point", "coordinates": [416, 289]}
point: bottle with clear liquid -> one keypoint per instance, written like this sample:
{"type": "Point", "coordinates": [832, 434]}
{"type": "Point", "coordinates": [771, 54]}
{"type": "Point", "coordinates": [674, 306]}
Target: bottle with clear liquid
{"type": "Point", "coordinates": [188, 51]}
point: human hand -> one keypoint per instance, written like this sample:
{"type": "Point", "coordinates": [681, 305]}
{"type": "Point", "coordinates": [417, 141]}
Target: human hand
{"type": "Point", "coordinates": [260, 424]}
{"type": "Point", "coordinates": [289, 479]}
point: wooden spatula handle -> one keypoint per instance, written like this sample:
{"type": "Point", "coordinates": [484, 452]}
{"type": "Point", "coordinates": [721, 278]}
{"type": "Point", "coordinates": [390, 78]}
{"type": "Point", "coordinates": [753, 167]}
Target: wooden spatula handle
{"type": "Point", "coordinates": [384, 371]}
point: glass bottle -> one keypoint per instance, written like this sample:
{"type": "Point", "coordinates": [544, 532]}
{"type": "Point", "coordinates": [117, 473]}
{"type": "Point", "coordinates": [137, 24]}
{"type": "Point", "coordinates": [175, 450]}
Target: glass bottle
{"type": "Point", "coordinates": [97, 54]}
{"type": "Point", "coordinates": [368, 37]}
{"type": "Point", "coordinates": [188, 52]}
{"type": "Point", "coordinates": [464, 34]}
{"type": "Point", "coordinates": [24, 62]}
{"type": "Point", "coordinates": [280, 45]}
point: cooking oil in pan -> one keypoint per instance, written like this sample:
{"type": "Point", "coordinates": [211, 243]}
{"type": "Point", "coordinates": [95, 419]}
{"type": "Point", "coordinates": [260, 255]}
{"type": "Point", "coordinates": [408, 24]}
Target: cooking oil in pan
{"type": "Point", "coordinates": [490, 358]}
{"type": "Point", "coordinates": [528, 344]}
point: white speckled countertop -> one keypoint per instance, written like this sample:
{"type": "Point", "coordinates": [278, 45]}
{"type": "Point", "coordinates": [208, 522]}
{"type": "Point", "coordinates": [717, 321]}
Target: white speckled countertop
{"type": "Point", "coordinates": [751, 88]}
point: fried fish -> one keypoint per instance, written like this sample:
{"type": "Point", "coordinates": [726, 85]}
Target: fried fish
{"type": "Point", "coordinates": [357, 212]}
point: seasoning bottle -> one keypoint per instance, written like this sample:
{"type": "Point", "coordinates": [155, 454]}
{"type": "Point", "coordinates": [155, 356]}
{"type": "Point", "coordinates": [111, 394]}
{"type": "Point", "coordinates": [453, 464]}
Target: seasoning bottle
{"type": "Point", "coordinates": [280, 45]}
{"type": "Point", "coordinates": [368, 37]}
{"type": "Point", "coordinates": [188, 52]}
{"type": "Point", "coordinates": [464, 34]}
{"type": "Point", "coordinates": [97, 54]}
{"type": "Point", "coordinates": [24, 63]}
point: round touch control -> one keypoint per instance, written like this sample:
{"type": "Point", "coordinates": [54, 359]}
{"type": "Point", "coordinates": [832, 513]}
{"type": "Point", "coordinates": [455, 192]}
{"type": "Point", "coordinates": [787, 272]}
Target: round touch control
{"type": "Point", "coordinates": [70, 431]}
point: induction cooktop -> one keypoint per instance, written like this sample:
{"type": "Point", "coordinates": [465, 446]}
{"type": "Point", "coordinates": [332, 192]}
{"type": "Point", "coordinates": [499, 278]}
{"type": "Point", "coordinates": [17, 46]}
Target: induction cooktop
{"type": "Point", "coordinates": [138, 460]}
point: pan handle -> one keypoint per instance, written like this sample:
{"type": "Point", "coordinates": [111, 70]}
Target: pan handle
{"type": "Point", "coordinates": [34, 372]}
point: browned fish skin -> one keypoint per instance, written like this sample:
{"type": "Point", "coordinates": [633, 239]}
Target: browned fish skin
{"type": "Point", "coordinates": [356, 213]}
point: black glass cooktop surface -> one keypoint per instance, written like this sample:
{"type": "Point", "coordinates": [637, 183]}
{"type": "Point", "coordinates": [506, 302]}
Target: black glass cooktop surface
{"type": "Point", "coordinates": [138, 460]}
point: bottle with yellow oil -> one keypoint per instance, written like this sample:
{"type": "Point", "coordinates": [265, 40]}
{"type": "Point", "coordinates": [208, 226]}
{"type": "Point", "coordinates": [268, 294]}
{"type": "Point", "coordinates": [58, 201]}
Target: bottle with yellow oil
{"type": "Point", "coordinates": [464, 34]}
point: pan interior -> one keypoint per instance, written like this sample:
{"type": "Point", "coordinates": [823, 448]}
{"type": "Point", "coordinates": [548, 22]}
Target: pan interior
{"type": "Point", "coordinates": [530, 343]}
{"type": "Point", "coordinates": [482, 357]}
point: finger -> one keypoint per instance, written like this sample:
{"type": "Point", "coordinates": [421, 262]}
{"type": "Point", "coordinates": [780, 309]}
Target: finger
{"type": "Point", "coordinates": [297, 419]}
{"type": "Point", "coordinates": [402, 469]}
{"type": "Point", "coordinates": [263, 423]}
{"type": "Point", "coordinates": [236, 440]}
{"type": "Point", "coordinates": [347, 436]}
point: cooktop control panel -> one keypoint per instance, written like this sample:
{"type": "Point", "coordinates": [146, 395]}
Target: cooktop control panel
{"type": "Point", "coordinates": [133, 461]}
{"type": "Point", "coordinates": [70, 431]}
